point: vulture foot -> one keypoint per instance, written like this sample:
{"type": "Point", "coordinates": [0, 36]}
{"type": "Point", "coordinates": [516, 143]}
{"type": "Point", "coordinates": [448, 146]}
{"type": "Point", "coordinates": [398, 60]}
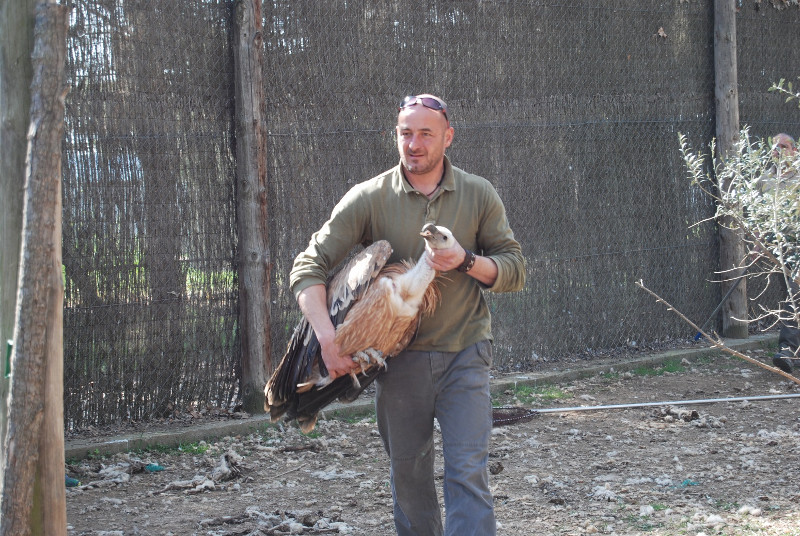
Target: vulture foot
{"type": "Point", "coordinates": [356, 383]}
{"type": "Point", "coordinates": [366, 358]}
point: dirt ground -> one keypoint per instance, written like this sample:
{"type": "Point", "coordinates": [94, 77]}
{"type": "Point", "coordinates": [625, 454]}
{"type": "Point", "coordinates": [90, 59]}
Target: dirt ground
{"type": "Point", "coordinates": [728, 468]}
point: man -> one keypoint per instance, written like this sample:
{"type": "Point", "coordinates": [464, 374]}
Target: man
{"type": "Point", "coordinates": [784, 175]}
{"type": "Point", "coordinates": [444, 374]}
{"type": "Point", "coordinates": [783, 143]}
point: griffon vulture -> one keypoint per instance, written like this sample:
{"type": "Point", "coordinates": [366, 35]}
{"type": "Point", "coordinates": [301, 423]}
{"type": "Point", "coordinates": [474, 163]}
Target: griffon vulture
{"type": "Point", "coordinates": [376, 309]}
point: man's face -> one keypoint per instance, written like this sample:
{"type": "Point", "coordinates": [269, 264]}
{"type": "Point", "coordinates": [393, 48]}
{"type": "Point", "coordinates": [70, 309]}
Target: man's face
{"type": "Point", "coordinates": [782, 147]}
{"type": "Point", "coordinates": [422, 137]}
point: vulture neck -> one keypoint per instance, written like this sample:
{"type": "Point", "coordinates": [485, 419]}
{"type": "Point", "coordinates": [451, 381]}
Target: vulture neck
{"type": "Point", "coordinates": [411, 286]}
{"type": "Point", "coordinates": [421, 275]}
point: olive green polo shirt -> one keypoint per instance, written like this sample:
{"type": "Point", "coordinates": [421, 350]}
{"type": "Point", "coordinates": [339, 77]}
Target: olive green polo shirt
{"type": "Point", "coordinates": [387, 207]}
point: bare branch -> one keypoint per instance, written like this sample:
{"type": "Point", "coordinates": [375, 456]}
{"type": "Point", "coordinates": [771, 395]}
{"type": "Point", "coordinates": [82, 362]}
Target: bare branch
{"type": "Point", "coordinates": [716, 342]}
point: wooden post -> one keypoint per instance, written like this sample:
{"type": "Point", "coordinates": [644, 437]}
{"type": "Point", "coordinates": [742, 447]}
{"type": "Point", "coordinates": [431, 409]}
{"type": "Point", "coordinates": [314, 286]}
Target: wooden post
{"type": "Point", "coordinates": [16, 44]}
{"type": "Point", "coordinates": [251, 205]}
{"type": "Point", "coordinates": [33, 498]}
{"type": "Point", "coordinates": [731, 245]}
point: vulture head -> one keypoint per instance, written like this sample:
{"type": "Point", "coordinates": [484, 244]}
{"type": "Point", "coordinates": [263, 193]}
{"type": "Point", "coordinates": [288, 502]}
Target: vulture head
{"type": "Point", "coordinates": [437, 237]}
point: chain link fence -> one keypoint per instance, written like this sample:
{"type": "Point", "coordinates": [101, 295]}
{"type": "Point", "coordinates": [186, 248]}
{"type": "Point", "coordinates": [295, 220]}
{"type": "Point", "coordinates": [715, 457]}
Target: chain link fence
{"type": "Point", "coordinates": [149, 240]}
{"type": "Point", "coordinates": [572, 110]}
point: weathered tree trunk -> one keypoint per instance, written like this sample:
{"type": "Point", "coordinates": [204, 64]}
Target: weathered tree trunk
{"type": "Point", "coordinates": [16, 44]}
{"type": "Point", "coordinates": [35, 440]}
{"type": "Point", "coordinates": [731, 245]}
{"type": "Point", "coordinates": [251, 204]}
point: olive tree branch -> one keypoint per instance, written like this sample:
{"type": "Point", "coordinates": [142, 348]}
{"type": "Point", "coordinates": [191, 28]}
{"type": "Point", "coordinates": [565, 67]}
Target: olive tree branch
{"type": "Point", "coordinates": [716, 342]}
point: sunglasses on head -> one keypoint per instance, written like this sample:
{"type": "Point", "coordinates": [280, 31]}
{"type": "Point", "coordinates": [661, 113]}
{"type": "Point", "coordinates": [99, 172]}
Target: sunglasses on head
{"type": "Point", "coordinates": [427, 102]}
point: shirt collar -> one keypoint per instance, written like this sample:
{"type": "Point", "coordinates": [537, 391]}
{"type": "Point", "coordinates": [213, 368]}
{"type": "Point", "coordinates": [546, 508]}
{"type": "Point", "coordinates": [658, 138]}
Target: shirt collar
{"type": "Point", "coordinates": [402, 185]}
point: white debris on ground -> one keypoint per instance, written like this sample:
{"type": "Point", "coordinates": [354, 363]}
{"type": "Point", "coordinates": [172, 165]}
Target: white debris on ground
{"type": "Point", "coordinates": [332, 473]}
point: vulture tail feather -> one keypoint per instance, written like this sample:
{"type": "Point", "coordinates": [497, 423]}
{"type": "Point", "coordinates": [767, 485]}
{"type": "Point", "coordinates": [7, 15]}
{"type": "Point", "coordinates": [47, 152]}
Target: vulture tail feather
{"type": "Point", "coordinates": [310, 403]}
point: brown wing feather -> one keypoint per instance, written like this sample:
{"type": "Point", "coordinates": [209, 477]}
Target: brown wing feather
{"type": "Point", "coordinates": [302, 358]}
{"type": "Point", "coordinates": [349, 283]}
{"type": "Point", "coordinates": [354, 299]}
{"type": "Point", "coordinates": [373, 323]}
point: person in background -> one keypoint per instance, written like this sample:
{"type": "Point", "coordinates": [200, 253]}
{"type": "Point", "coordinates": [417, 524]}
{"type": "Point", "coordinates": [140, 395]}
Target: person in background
{"type": "Point", "coordinates": [784, 175]}
{"type": "Point", "coordinates": [444, 373]}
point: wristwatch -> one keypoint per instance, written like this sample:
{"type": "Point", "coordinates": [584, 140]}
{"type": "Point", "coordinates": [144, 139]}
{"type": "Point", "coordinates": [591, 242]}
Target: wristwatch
{"type": "Point", "coordinates": [469, 262]}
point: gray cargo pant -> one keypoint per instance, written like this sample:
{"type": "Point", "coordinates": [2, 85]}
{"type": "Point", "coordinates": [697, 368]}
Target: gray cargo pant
{"type": "Point", "coordinates": [454, 388]}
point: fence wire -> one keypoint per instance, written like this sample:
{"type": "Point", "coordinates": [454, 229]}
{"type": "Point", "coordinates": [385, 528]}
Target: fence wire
{"type": "Point", "coordinates": [572, 110]}
{"type": "Point", "coordinates": [149, 226]}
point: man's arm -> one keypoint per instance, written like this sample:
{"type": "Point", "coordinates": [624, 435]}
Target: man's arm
{"type": "Point", "coordinates": [484, 270]}
{"type": "Point", "coordinates": [313, 303]}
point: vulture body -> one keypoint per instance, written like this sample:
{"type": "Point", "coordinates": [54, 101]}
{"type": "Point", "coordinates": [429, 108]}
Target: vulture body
{"type": "Point", "coordinates": [376, 309]}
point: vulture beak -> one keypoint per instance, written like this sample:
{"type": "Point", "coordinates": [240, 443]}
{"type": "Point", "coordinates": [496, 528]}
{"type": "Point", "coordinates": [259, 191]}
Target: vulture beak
{"type": "Point", "coordinates": [437, 237]}
{"type": "Point", "coordinates": [429, 232]}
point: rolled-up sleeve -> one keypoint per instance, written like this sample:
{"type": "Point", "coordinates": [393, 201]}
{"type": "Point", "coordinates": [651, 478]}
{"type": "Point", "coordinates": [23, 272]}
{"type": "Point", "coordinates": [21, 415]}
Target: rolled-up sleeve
{"type": "Point", "coordinates": [330, 245]}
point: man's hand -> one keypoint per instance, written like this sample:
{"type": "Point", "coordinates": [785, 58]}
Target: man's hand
{"type": "Point", "coordinates": [337, 365]}
{"type": "Point", "coordinates": [448, 259]}
{"type": "Point", "coordinates": [312, 301]}
{"type": "Point", "coordinates": [445, 260]}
